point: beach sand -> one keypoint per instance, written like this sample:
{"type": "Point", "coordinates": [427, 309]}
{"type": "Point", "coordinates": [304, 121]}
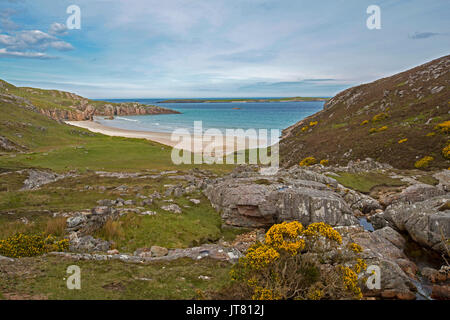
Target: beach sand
{"type": "Point", "coordinates": [194, 143]}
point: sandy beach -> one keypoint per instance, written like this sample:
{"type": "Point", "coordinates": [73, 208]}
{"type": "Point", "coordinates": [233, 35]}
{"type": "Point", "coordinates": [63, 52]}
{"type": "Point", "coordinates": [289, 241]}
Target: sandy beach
{"type": "Point", "coordinates": [194, 143]}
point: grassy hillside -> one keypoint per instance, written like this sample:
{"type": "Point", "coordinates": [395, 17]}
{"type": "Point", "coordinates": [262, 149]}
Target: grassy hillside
{"type": "Point", "coordinates": [397, 120]}
{"type": "Point", "coordinates": [61, 105]}
{"type": "Point", "coordinates": [30, 139]}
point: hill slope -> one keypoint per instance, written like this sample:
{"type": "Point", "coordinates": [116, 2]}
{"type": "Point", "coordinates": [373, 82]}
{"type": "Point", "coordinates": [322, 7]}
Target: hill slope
{"type": "Point", "coordinates": [61, 105]}
{"type": "Point", "coordinates": [374, 119]}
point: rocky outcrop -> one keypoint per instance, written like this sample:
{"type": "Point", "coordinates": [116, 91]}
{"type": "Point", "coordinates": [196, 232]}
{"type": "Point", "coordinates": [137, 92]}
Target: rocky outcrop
{"type": "Point", "coordinates": [10, 146]}
{"type": "Point", "coordinates": [87, 112]}
{"type": "Point", "coordinates": [248, 199]}
{"type": "Point", "coordinates": [426, 222]}
{"type": "Point", "coordinates": [87, 244]}
{"type": "Point", "coordinates": [414, 193]}
{"type": "Point", "coordinates": [384, 249]}
{"type": "Point", "coordinates": [85, 224]}
{"type": "Point", "coordinates": [38, 178]}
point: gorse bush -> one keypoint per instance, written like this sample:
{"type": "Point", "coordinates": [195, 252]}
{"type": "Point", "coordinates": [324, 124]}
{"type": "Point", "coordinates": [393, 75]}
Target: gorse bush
{"type": "Point", "coordinates": [379, 117]}
{"type": "Point", "coordinates": [364, 122]}
{"type": "Point", "coordinates": [443, 127]}
{"type": "Point", "coordinates": [324, 162]}
{"type": "Point", "coordinates": [373, 130]}
{"type": "Point", "coordinates": [299, 263]}
{"type": "Point", "coordinates": [22, 245]}
{"type": "Point", "coordinates": [424, 162]}
{"type": "Point", "coordinates": [308, 161]}
{"type": "Point", "coordinates": [402, 140]}
{"type": "Point", "coordinates": [313, 123]}
{"type": "Point", "coordinates": [446, 151]}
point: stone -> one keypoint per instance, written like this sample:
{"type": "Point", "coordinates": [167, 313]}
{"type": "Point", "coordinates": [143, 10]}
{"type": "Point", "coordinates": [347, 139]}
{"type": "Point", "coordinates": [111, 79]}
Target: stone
{"type": "Point", "coordinates": [440, 292]}
{"type": "Point", "coordinates": [414, 193]}
{"type": "Point", "coordinates": [444, 179]}
{"type": "Point", "coordinates": [178, 192]}
{"type": "Point", "coordinates": [129, 202]}
{"type": "Point", "coordinates": [392, 236]}
{"type": "Point", "coordinates": [76, 221]}
{"type": "Point", "coordinates": [38, 178]}
{"type": "Point", "coordinates": [100, 210]}
{"type": "Point", "coordinates": [88, 244]}
{"type": "Point", "coordinates": [158, 251]}
{"type": "Point", "coordinates": [148, 213]}
{"type": "Point", "coordinates": [147, 202]}
{"type": "Point", "coordinates": [172, 208]}
{"type": "Point", "coordinates": [436, 276]}
{"type": "Point", "coordinates": [7, 259]}
{"type": "Point", "coordinates": [114, 251]}
{"type": "Point", "coordinates": [424, 221]}
{"type": "Point", "coordinates": [194, 201]}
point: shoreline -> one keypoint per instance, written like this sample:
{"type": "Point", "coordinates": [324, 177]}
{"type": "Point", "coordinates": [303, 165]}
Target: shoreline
{"type": "Point", "coordinates": [197, 142]}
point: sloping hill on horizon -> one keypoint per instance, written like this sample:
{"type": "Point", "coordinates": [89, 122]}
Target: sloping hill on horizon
{"type": "Point", "coordinates": [397, 120]}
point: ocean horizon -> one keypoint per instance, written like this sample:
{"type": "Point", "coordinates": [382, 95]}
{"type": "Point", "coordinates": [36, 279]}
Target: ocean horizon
{"type": "Point", "coordinates": [222, 116]}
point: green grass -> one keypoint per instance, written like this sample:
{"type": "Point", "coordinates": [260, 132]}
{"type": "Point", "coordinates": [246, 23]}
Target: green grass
{"type": "Point", "coordinates": [196, 225]}
{"type": "Point", "coordinates": [339, 125]}
{"type": "Point", "coordinates": [364, 182]}
{"type": "Point", "coordinates": [43, 277]}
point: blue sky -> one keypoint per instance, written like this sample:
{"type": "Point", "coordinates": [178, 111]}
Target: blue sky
{"type": "Point", "coordinates": [215, 48]}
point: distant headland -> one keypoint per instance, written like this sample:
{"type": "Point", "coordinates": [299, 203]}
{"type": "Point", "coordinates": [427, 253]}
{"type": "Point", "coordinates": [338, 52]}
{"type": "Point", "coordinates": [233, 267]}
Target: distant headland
{"type": "Point", "coordinates": [236, 100]}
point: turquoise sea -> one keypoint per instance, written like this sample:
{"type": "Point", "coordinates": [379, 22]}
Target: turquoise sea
{"type": "Point", "coordinates": [256, 115]}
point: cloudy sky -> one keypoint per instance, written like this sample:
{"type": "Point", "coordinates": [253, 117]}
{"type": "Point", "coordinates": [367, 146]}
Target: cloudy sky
{"type": "Point", "coordinates": [215, 48]}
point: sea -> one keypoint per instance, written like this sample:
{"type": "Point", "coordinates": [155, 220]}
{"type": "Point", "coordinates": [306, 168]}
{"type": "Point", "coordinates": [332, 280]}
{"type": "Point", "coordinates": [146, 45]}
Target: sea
{"type": "Point", "coordinates": [218, 115]}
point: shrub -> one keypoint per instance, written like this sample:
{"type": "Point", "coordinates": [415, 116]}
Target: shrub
{"type": "Point", "coordinates": [402, 140]}
{"type": "Point", "coordinates": [431, 134]}
{"type": "Point", "coordinates": [324, 162]}
{"type": "Point", "coordinates": [298, 263]}
{"type": "Point", "coordinates": [305, 128]}
{"type": "Point", "coordinates": [313, 123]}
{"type": "Point", "coordinates": [364, 122]}
{"type": "Point", "coordinates": [379, 117]}
{"type": "Point", "coordinates": [22, 245]}
{"type": "Point", "coordinates": [424, 162]}
{"type": "Point", "coordinates": [308, 161]}
{"type": "Point", "coordinates": [373, 130]}
{"type": "Point", "coordinates": [443, 127]}
{"type": "Point", "coordinates": [446, 151]}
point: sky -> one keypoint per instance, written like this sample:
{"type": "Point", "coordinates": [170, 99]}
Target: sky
{"type": "Point", "coordinates": [215, 48]}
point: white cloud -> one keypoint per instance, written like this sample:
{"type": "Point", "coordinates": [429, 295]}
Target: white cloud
{"type": "Point", "coordinates": [18, 54]}
{"type": "Point", "coordinates": [58, 29]}
{"type": "Point", "coordinates": [31, 44]}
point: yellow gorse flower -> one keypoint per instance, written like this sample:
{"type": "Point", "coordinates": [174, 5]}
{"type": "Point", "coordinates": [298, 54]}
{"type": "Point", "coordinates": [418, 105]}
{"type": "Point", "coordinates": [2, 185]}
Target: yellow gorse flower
{"type": "Point", "coordinates": [322, 229]}
{"type": "Point", "coordinates": [286, 236]}
{"type": "Point", "coordinates": [261, 256]}
{"type": "Point", "coordinates": [22, 245]}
